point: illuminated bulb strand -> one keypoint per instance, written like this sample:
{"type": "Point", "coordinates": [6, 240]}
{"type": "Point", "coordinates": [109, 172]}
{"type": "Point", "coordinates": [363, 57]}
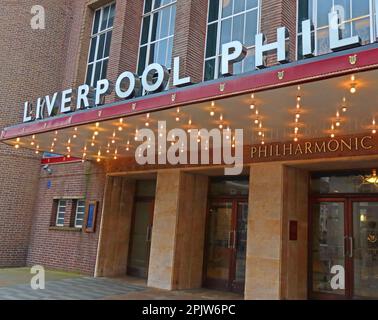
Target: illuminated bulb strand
{"type": "Point", "coordinates": [374, 130]}
{"type": "Point", "coordinates": [344, 107]}
{"type": "Point", "coordinates": [178, 115]}
{"type": "Point", "coordinates": [297, 115]}
{"type": "Point", "coordinates": [221, 124]}
{"type": "Point", "coordinates": [212, 110]}
{"type": "Point", "coordinates": [332, 130]}
{"type": "Point", "coordinates": [353, 85]}
{"type": "Point", "coordinates": [338, 120]}
{"type": "Point", "coordinates": [253, 104]}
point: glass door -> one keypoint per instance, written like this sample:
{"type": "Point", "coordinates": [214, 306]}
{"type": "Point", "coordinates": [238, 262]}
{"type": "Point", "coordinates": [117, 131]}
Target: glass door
{"type": "Point", "coordinates": [364, 248]}
{"type": "Point", "coordinates": [140, 239]}
{"type": "Point", "coordinates": [219, 247]}
{"type": "Point", "coordinates": [225, 252]}
{"type": "Point", "coordinates": [329, 229]}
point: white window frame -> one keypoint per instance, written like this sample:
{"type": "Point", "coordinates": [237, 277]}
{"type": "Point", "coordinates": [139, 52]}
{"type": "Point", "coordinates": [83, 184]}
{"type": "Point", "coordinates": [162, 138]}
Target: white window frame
{"type": "Point", "coordinates": [219, 29]}
{"type": "Point", "coordinates": [77, 212]}
{"type": "Point", "coordinates": [373, 6]}
{"type": "Point", "coordinates": [98, 35]}
{"type": "Point", "coordinates": [59, 212]}
{"type": "Point", "coordinates": [149, 42]}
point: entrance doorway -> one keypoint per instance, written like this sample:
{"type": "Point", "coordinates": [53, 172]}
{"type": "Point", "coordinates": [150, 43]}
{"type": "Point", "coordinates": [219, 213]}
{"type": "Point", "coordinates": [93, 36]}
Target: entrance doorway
{"type": "Point", "coordinates": [226, 236]}
{"type": "Point", "coordinates": [141, 230]}
{"type": "Point", "coordinates": [344, 231]}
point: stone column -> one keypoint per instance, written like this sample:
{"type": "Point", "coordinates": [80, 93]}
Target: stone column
{"type": "Point", "coordinates": [177, 244]}
{"type": "Point", "coordinates": [276, 267]}
{"type": "Point", "coordinates": [115, 227]}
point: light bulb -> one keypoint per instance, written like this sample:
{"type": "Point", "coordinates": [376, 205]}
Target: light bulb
{"type": "Point", "coordinates": [353, 89]}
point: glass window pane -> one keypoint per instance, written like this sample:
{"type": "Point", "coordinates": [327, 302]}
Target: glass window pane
{"type": "Point", "coordinates": [97, 73]}
{"type": "Point", "coordinates": [104, 69]}
{"type": "Point", "coordinates": [105, 15]}
{"type": "Point", "coordinates": [324, 8]}
{"type": "Point", "coordinates": [157, 4]}
{"type": "Point", "coordinates": [249, 61]}
{"type": "Point", "coordinates": [213, 10]}
{"type": "Point", "coordinates": [153, 52]}
{"type": "Point", "coordinates": [169, 53]}
{"type": "Point", "coordinates": [252, 4]}
{"type": "Point", "coordinates": [323, 41]}
{"type": "Point", "coordinates": [343, 9]}
{"type": "Point", "coordinates": [239, 6]}
{"type": "Point", "coordinates": [360, 8]}
{"type": "Point", "coordinates": [96, 21]}
{"type": "Point", "coordinates": [304, 10]}
{"type": "Point", "coordinates": [145, 188]}
{"type": "Point", "coordinates": [89, 74]}
{"type": "Point", "coordinates": [93, 49]}
{"type": "Point", "coordinates": [238, 28]}
{"type": "Point", "coordinates": [209, 69]}
{"type": "Point", "coordinates": [225, 32]}
{"type": "Point", "coordinates": [162, 52]}
{"type": "Point", "coordinates": [250, 28]}
{"type": "Point", "coordinates": [172, 21]}
{"type": "Point", "coordinates": [147, 6]}
{"type": "Point", "coordinates": [142, 59]}
{"type": "Point", "coordinates": [164, 16]}
{"type": "Point", "coordinates": [145, 29]}
{"type": "Point", "coordinates": [111, 16]}
{"type": "Point", "coordinates": [100, 51]}
{"type": "Point", "coordinates": [362, 29]}
{"type": "Point", "coordinates": [226, 8]}
{"type": "Point", "coordinates": [107, 46]}
{"type": "Point", "coordinates": [154, 27]}
{"type": "Point", "coordinates": [211, 42]}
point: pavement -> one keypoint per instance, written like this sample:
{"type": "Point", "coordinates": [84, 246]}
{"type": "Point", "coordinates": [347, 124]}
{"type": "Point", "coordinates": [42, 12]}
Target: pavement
{"type": "Point", "coordinates": [15, 285]}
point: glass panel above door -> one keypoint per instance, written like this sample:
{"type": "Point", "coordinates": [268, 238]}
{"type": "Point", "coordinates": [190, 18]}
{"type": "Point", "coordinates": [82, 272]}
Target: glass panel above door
{"type": "Point", "coordinates": [229, 187]}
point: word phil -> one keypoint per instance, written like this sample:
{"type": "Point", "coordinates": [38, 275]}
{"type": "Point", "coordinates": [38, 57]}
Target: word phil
{"type": "Point", "coordinates": [155, 77]}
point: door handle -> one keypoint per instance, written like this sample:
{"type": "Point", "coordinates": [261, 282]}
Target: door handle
{"type": "Point", "coordinates": [345, 247]}
{"type": "Point", "coordinates": [234, 242]}
{"type": "Point", "coordinates": [149, 233]}
{"type": "Point", "coordinates": [229, 240]}
{"type": "Point", "coordinates": [350, 247]}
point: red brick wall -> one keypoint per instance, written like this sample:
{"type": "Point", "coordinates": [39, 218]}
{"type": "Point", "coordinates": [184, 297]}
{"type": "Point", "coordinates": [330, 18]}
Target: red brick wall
{"type": "Point", "coordinates": [42, 62]}
{"type": "Point", "coordinates": [61, 248]}
{"type": "Point", "coordinates": [30, 67]}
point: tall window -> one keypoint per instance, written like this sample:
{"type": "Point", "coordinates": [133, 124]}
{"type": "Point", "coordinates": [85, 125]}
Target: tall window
{"type": "Point", "coordinates": [356, 18]}
{"type": "Point", "coordinates": [230, 20]}
{"type": "Point", "coordinates": [100, 44]}
{"type": "Point", "coordinates": [79, 214]}
{"type": "Point", "coordinates": [157, 34]}
{"type": "Point", "coordinates": [60, 212]}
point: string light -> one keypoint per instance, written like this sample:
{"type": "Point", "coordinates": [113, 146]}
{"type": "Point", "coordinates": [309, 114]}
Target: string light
{"type": "Point", "coordinates": [353, 88]}
{"type": "Point", "coordinates": [178, 115]}
{"type": "Point", "coordinates": [374, 131]}
{"type": "Point", "coordinates": [338, 123]}
{"type": "Point", "coordinates": [212, 112]}
{"type": "Point", "coordinates": [344, 107]}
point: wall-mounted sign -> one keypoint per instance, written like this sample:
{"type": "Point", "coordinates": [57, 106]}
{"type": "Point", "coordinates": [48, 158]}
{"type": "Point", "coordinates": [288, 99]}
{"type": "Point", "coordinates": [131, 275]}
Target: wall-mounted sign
{"type": "Point", "coordinates": [155, 77]}
{"type": "Point", "coordinates": [90, 217]}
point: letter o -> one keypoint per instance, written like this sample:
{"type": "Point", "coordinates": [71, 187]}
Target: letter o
{"type": "Point", "coordinates": [148, 78]}
{"type": "Point", "coordinates": [134, 85]}
{"type": "Point", "coordinates": [337, 143]}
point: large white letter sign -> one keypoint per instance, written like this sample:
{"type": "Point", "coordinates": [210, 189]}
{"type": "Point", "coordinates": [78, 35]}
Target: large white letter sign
{"type": "Point", "coordinates": [162, 76]}
{"type": "Point", "coordinates": [335, 42]}
{"type": "Point", "coordinates": [231, 53]}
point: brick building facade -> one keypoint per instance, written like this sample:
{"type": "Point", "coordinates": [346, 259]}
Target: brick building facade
{"type": "Point", "coordinates": [39, 62]}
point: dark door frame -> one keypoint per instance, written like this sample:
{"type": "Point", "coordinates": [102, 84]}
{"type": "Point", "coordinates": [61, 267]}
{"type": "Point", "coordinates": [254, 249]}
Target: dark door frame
{"type": "Point", "coordinates": [130, 270]}
{"type": "Point", "coordinates": [230, 285]}
{"type": "Point", "coordinates": [347, 200]}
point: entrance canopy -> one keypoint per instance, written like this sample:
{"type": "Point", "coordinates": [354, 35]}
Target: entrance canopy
{"type": "Point", "coordinates": [335, 95]}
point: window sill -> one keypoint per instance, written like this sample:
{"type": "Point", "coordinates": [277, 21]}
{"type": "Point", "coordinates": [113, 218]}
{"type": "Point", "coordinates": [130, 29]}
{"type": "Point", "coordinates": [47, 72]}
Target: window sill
{"type": "Point", "coordinates": [72, 229]}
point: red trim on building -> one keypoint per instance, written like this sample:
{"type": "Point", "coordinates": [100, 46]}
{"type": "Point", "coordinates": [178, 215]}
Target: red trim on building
{"type": "Point", "coordinates": [59, 160]}
{"type": "Point", "coordinates": [300, 72]}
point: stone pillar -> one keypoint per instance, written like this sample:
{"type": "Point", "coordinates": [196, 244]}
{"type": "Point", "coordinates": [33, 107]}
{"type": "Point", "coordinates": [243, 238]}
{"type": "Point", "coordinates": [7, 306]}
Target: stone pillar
{"type": "Point", "coordinates": [276, 267]}
{"type": "Point", "coordinates": [295, 253]}
{"type": "Point", "coordinates": [178, 231]}
{"type": "Point", "coordinates": [263, 277]}
{"type": "Point", "coordinates": [115, 227]}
